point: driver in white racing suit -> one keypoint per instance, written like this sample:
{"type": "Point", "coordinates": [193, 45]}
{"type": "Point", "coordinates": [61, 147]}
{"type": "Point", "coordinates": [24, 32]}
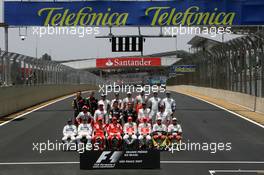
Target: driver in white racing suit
{"type": "Point", "coordinates": [127, 100]}
{"type": "Point", "coordinates": [85, 114]}
{"type": "Point", "coordinates": [159, 133]}
{"type": "Point", "coordinates": [101, 112]}
{"type": "Point", "coordinates": [106, 103]}
{"type": "Point", "coordinates": [154, 103]}
{"type": "Point", "coordinates": [169, 103]}
{"type": "Point", "coordinates": [175, 130]}
{"type": "Point", "coordinates": [130, 130]}
{"type": "Point", "coordinates": [69, 132]}
{"type": "Point", "coordinates": [164, 115]}
{"type": "Point", "coordinates": [144, 131]}
{"type": "Point", "coordinates": [85, 130]}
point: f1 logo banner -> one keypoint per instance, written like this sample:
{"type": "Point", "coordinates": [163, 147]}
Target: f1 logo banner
{"type": "Point", "coordinates": [134, 13]}
{"type": "Point", "coordinates": [114, 156]}
{"type": "Point", "coordinates": [147, 159]}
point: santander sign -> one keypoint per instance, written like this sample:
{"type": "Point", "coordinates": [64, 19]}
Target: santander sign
{"type": "Point", "coordinates": [128, 62]}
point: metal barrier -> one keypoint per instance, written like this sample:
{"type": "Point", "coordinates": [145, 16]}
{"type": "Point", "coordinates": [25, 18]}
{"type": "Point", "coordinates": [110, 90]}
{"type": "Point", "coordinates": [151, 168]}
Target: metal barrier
{"type": "Point", "coordinates": [17, 69]}
{"type": "Point", "coordinates": [236, 65]}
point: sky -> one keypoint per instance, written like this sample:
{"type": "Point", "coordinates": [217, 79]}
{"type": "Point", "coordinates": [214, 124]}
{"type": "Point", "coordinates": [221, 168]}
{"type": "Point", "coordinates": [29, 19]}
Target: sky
{"type": "Point", "coordinates": [73, 47]}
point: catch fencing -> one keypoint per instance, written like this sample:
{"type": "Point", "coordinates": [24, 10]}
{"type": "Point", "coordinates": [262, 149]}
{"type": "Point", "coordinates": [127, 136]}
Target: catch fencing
{"type": "Point", "coordinates": [236, 65]}
{"type": "Point", "coordinates": [17, 69]}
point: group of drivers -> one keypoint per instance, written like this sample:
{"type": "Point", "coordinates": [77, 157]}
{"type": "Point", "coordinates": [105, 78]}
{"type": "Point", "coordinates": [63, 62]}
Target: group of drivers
{"type": "Point", "coordinates": [142, 120]}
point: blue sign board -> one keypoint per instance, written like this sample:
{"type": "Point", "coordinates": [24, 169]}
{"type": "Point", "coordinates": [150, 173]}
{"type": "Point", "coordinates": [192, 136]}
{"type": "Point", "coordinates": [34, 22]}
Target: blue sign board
{"type": "Point", "coordinates": [183, 68]}
{"type": "Point", "coordinates": [134, 13]}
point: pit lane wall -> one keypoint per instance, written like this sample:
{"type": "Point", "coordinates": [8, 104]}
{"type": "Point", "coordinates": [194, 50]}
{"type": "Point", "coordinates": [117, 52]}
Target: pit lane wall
{"type": "Point", "coordinates": [245, 100]}
{"type": "Point", "coordinates": [17, 98]}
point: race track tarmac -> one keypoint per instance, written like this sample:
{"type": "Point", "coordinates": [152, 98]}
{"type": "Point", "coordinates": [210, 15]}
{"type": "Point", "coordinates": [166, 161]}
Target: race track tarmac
{"type": "Point", "coordinates": [201, 122]}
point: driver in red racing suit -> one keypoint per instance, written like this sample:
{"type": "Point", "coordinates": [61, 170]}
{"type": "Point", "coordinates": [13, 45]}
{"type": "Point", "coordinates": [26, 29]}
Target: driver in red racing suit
{"type": "Point", "coordinates": [114, 130]}
{"type": "Point", "coordinates": [99, 133]}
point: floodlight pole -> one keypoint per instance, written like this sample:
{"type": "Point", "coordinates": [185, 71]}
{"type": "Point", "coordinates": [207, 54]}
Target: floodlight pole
{"type": "Point", "coordinates": [6, 35]}
{"type": "Point", "coordinates": [3, 24]}
{"type": "Point", "coordinates": [6, 38]}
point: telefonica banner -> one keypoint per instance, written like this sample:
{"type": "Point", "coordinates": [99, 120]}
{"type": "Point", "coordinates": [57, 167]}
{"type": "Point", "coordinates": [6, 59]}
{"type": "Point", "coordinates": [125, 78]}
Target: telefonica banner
{"type": "Point", "coordinates": [134, 13]}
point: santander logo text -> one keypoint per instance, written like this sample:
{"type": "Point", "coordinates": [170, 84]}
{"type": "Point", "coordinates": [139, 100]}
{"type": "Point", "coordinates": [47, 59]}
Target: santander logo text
{"type": "Point", "coordinates": [109, 63]}
{"type": "Point", "coordinates": [128, 62]}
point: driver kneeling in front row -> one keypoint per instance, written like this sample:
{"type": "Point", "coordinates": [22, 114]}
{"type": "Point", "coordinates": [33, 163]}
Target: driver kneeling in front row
{"type": "Point", "coordinates": [144, 130]}
{"type": "Point", "coordinates": [69, 132]}
{"type": "Point", "coordinates": [114, 131]}
{"type": "Point", "coordinates": [159, 132]}
{"type": "Point", "coordinates": [99, 133]}
{"type": "Point", "coordinates": [84, 131]}
{"type": "Point", "coordinates": [174, 131]}
{"type": "Point", "coordinates": [130, 131]}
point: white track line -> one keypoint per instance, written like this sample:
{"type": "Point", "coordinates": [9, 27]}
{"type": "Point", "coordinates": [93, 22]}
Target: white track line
{"type": "Point", "coordinates": [212, 172]}
{"type": "Point", "coordinates": [33, 110]}
{"type": "Point", "coordinates": [162, 162]}
{"type": "Point", "coordinates": [38, 163]}
{"type": "Point", "coordinates": [210, 162]}
{"type": "Point", "coordinates": [241, 116]}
